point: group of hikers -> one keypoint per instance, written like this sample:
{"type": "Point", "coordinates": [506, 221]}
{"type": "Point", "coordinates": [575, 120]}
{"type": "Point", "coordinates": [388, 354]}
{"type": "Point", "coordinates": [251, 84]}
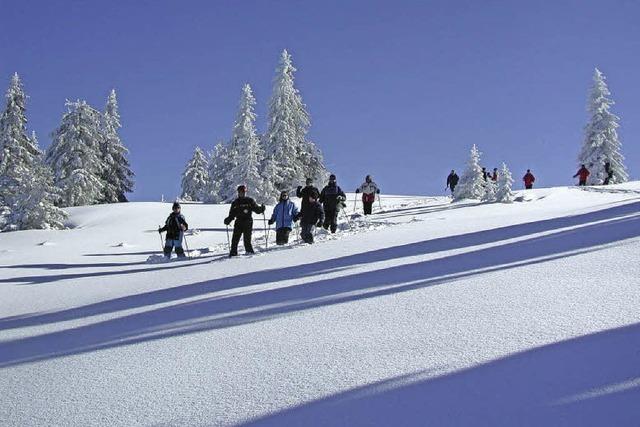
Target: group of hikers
{"type": "Point", "coordinates": [318, 209]}
{"type": "Point", "coordinates": [528, 178]}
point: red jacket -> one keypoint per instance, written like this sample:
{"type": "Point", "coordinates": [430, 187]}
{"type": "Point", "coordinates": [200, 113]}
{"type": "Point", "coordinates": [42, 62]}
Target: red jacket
{"type": "Point", "coordinates": [529, 179]}
{"type": "Point", "coordinates": [583, 173]}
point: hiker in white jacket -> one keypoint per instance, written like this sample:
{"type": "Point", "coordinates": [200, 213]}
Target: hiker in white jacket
{"type": "Point", "coordinates": [369, 189]}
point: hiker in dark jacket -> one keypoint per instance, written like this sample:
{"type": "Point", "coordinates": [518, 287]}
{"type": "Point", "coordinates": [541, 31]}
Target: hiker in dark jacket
{"type": "Point", "coordinates": [331, 197]}
{"type": "Point", "coordinates": [609, 171]}
{"type": "Point", "coordinates": [452, 180]}
{"type": "Point", "coordinates": [241, 210]}
{"type": "Point", "coordinates": [283, 216]}
{"type": "Point", "coordinates": [304, 193]}
{"type": "Point", "coordinates": [312, 216]}
{"type": "Point", "coordinates": [528, 179]}
{"type": "Point", "coordinates": [582, 174]}
{"type": "Point", "coordinates": [175, 226]}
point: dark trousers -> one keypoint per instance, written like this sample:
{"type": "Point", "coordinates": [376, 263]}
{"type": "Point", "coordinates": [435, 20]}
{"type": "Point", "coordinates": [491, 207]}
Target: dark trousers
{"type": "Point", "coordinates": [242, 229]}
{"type": "Point", "coordinates": [282, 235]}
{"type": "Point", "coordinates": [452, 188]}
{"type": "Point", "coordinates": [368, 207]}
{"type": "Point", "coordinates": [528, 187]}
{"type": "Point", "coordinates": [306, 232]}
{"type": "Point", "coordinates": [582, 183]}
{"type": "Point", "coordinates": [169, 244]}
{"type": "Point", "coordinates": [331, 219]}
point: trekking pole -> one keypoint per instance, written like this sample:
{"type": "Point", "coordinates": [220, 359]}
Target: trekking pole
{"type": "Point", "coordinates": [228, 241]}
{"type": "Point", "coordinates": [184, 237]}
{"type": "Point", "coordinates": [266, 233]}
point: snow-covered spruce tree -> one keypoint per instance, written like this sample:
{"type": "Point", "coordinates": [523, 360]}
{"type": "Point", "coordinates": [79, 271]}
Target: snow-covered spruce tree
{"type": "Point", "coordinates": [195, 178]}
{"type": "Point", "coordinates": [490, 188]}
{"type": "Point", "coordinates": [289, 155]}
{"type": "Point", "coordinates": [601, 143]}
{"type": "Point", "coordinates": [34, 207]}
{"type": "Point", "coordinates": [504, 193]}
{"type": "Point", "coordinates": [218, 168]}
{"type": "Point", "coordinates": [247, 152]}
{"type": "Point", "coordinates": [74, 155]}
{"type": "Point", "coordinates": [116, 174]}
{"type": "Point", "coordinates": [471, 184]}
{"type": "Point", "coordinates": [18, 152]}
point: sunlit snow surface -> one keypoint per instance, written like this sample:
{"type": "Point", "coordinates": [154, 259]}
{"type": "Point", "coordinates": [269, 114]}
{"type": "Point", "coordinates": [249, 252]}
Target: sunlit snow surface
{"type": "Point", "coordinates": [426, 313]}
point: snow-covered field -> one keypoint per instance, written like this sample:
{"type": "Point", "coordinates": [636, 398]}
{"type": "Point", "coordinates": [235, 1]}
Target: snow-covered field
{"type": "Point", "coordinates": [428, 313]}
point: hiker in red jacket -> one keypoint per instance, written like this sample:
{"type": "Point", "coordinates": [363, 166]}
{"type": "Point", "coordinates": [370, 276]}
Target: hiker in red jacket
{"type": "Point", "coordinates": [582, 174]}
{"type": "Point", "coordinates": [528, 179]}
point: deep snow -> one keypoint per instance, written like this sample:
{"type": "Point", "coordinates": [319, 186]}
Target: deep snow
{"type": "Point", "coordinates": [428, 313]}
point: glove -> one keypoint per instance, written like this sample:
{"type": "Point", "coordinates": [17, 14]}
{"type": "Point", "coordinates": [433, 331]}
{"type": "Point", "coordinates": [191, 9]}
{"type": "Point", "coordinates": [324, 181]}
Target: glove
{"type": "Point", "coordinates": [319, 224]}
{"type": "Point", "coordinates": [357, 190]}
{"type": "Point", "coordinates": [378, 191]}
{"type": "Point", "coordinates": [160, 230]}
{"type": "Point", "coordinates": [263, 207]}
{"type": "Point", "coordinates": [271, 221]}
{"type": "Point", "coordinates": [299, 187]}
{"type": "Point", "coordinates": [344, 205]}
{"type": "Point", "coordinates": [227, 221]}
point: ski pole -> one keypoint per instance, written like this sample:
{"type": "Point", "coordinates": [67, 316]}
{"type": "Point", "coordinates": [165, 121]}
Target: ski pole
{"type": "Point", "coordinates": [228, 241]}
{"type": "Point", "coordinates": [161, 242]}
{"type": "Point", "coordinates": [186, 245]}
{"type": "Point", "coordinates": [266, 233]}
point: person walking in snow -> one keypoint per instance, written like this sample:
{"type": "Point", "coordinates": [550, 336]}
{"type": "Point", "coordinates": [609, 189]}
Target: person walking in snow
{"type": "Point", "coordinates": [494, 175]}
{"type": "Point", "coordinates": [582, 174]}
{"type": "Point", "coordinates": [369, 189]}
{"type": "Point", "coordinates": [485, 174]}
{"type": "Point", "coordinates": [312, 216]}
{"type": "Point", "coordinates": [452, 180]}
{"type": "Point", "coordinates": [528, 179]}
{"type": "Point", "coordinates": [241, 211]}
{"type": "Point", "coordinates": [285, 213]}
{"type": "Point", "coordinates": [304, 193]}
{"type": "Point", "coordinates": [609, 171]}
{"type": "Point", "coordinates": [175, 226]}
{"type": "Point", "coordinates": [332, 198]}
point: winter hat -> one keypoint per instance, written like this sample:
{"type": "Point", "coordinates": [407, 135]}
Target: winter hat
{"type": "Point", "coordinates": [175, 206]}
{"type": "Point", "coordinates": [242, 188]}
{"type": "Point", "coordinates": [368, 178]}
{"type": "Point", "coordinates": [332, 177]}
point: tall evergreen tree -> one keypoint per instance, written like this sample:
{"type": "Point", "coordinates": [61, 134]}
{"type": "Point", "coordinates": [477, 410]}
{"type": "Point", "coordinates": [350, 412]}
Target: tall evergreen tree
{"type": "Point", "coordinates": [504, 193]}
{"type": "Point", "coordinates": [290, 157]}
{"type": "Point", "coordinates": [601, 143]}
{"type": "Point", "coordinates": [471, 184]}
{"type": "Point", "coordinates": [195, 177]}
{"type": "Point", "coordinates": [74, 155]}
{"type": "Point", "coordinates": [117, 175]}
{"type": "Point", "coordinates": [18, 152]}
{"type": "Point", "coordinates": [247, 152]}
{"type": "Point", "coordinates": [217, 174]}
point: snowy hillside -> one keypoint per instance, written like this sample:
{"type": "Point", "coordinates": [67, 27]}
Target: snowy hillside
{"type": "Point", "coordinates": [428, 313]}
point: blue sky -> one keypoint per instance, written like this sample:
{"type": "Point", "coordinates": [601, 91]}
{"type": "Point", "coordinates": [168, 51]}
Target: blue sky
{"type": "Point", "coordinates": [397, 89]}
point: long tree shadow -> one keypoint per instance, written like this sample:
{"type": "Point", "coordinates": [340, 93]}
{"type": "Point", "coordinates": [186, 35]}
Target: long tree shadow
{"type": "Point", "coordinates": [592, 380]}
{"type": "Point", "coordinates": [226, 311]}
{"type": "Point", "coordinates": [304, 270]}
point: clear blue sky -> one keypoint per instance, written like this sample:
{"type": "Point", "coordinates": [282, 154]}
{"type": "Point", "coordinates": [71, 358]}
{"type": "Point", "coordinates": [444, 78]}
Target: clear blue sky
{"type": "Point", "coordinates": [397, 89]}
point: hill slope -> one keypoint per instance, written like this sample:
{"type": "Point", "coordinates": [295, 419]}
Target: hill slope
{"type": "Point", "coordinates": [428, 313]}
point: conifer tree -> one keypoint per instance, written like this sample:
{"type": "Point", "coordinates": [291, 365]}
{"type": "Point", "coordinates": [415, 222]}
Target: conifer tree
{"type": "Point", "coordinates": [195, 177]}
{"type": "Point", "coordinates": [504, 193]}
{"type": "Point", "coordinates": [246, 151]}
{"type": "Point", "coordinates": [489, 191]}
{"type": "Point", "coordinates": [218, 167]}
{"type": "Point", "coordinates": [18, 152]}
{"type": "Point", "coordinates": [601, 143]}
{"type": "Point", "coordinates": [74, 155]}
{"type": "Point", "coordinates": [290, 157]}
{"type": "Point", "coordinates": [471, 184]}
{"type": "Point", "coordinates": [117, 175]}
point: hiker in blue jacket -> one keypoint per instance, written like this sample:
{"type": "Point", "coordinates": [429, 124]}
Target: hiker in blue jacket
{"type": "Point", "coordinates": [283, 216]}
